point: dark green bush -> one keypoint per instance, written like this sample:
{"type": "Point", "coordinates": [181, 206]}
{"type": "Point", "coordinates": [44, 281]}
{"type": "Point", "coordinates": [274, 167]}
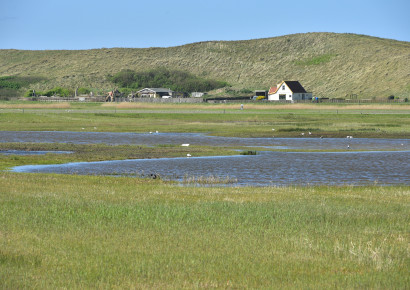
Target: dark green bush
{"type": "Point", "coordinates": [9, 82]}
{"type": "Point", "coordinates": [163, 78]}
{"type": "Point", "coordinates": [59, 91]}
{"type": "Point", "coordinates": [83, 91]}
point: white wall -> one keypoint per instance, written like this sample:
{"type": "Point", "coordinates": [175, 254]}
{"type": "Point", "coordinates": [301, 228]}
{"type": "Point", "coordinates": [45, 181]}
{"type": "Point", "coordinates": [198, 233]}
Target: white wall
{"type": "Point", "coordinates": [281, 91]}
{"type": "Point", "coordinates": [289, 95]}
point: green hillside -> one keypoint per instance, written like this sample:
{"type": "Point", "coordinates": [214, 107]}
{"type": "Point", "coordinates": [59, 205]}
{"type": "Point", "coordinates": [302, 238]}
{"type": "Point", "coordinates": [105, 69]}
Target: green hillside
{"type": "Point", "coordinates": [328, 64]}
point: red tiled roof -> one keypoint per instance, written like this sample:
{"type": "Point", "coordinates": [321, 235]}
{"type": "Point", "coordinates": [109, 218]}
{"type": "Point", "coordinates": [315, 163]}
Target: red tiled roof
{"type": "Point", "coordinates": [272, 90]}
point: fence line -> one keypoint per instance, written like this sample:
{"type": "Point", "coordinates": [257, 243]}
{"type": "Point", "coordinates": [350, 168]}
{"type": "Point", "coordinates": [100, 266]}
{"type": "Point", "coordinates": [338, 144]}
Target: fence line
{"type": "Point", "coordinates": [201, 100]}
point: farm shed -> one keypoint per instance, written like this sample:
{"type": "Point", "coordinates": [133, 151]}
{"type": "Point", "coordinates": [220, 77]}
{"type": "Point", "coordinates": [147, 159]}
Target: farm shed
{"type": "Point", "coordinates": [155, 93]}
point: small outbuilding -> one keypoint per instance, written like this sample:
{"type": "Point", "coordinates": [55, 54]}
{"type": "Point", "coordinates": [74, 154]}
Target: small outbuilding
{"type": "Point", "coordinates": [155, 93]}
{"type": "Point", "coordinates": [288, 91]}
{"type": "Point", "coordinates": [260, 93]}
{"type": "Point", "coordinates": [198, 94]}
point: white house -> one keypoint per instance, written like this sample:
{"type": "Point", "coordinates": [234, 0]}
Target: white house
{"type": "Point", "coordinates": [288, 91]}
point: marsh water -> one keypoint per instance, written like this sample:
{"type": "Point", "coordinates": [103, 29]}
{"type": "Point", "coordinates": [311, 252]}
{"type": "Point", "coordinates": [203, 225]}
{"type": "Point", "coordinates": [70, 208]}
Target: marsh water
{"type": "Point", "coordinates": [382, 161]}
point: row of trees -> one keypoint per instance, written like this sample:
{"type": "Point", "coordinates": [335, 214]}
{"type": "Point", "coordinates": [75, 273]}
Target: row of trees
{"type": "Point", "coordinates": [164, 78]}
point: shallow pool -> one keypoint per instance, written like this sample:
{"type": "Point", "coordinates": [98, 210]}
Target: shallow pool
{"type": "Point", "coordinates": [384, 161]}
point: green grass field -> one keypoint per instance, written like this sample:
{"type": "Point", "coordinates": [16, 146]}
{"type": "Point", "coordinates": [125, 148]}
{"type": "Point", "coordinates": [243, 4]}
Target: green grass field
{"type": "Point", "coordinates": [59, 231]}
{"type": "Point", "coordinates": [377, 121]}
{"type": "Point", "coordinates": [69, 231]}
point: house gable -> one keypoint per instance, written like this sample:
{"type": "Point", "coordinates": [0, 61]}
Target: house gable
{"type": "Point", "coordinates": [295, 87]}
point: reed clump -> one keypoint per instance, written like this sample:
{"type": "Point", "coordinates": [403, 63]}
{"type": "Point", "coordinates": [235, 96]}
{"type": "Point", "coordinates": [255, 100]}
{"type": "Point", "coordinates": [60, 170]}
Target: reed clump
{"type": "Point", "coordinates": [208, 180]}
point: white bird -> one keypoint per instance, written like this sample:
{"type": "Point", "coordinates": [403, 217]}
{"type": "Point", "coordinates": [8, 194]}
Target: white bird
{"type": "Point", "coordinates": [310, 133]}
{"type": "Point", "coordinates": [273, 129]}
{"type": "Point", "coordinates": [303, 134]}
{"type": "Point", "coordinates": [348, 146]}
{"type": "Point", "coordinates": [185, 145]}
{"type": "Point", "coordinates": [188, 155]}
{"type": "Point", "coordinates": [156, 131]}
{"type": "Point", "coordinates": [150, 132]}
{"type": "Point", "coordinates": [82, 128]}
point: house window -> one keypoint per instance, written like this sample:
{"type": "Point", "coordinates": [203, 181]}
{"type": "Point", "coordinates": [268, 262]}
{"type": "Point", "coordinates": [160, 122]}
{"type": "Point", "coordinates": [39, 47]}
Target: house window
{"type": "Point", "coordinates": [282, 97]}
{"type": "Point", "coordinates": [283, 87]}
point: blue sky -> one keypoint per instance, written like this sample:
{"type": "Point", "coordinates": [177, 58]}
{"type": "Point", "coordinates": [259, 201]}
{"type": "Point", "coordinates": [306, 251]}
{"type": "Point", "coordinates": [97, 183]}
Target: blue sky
{"type": "Point", "coordinates": [74, 24]}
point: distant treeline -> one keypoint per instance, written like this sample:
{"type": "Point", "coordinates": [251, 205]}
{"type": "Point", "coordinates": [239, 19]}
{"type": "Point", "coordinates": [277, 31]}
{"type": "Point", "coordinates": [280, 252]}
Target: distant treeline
{"type": "Point", "coordinates": [164, 78]}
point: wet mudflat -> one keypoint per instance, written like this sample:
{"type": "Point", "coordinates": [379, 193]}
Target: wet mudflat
{"type": "Point", "coordinates": [264, 169]}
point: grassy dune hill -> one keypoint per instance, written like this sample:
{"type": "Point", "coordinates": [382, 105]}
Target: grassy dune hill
{"type": "Point", "coordinates": [331, 65]}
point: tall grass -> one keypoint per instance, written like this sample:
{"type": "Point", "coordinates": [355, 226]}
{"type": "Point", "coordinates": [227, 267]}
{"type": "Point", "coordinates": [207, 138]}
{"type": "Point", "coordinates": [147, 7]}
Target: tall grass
{"type": "Point", "coordinates": [208, 180]}
{"type": "Point", "coordinates": [105, 232]}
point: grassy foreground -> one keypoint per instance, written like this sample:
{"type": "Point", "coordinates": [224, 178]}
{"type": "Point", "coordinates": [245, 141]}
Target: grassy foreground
{"type": "Point", "coordinates": [63, 231]}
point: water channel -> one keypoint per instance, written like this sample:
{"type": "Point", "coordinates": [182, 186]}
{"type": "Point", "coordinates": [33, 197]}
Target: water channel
{"type": "Point", "coordinates": [383, 161]}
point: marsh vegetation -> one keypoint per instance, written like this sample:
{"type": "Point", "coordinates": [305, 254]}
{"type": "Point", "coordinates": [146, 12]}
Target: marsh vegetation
{"type": "Point", "coordinates": [71, 231]}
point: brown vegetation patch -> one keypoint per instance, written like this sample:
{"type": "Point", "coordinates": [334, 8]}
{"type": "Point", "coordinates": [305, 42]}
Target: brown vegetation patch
{"type": "Point", "coordinates": [261, 106]}
{"type": "Point", "coordinates": [36, 106]}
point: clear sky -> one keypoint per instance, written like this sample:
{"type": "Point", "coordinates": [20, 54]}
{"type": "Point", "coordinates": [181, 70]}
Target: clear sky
{"type": "Point", "coordinates": [86, 24]}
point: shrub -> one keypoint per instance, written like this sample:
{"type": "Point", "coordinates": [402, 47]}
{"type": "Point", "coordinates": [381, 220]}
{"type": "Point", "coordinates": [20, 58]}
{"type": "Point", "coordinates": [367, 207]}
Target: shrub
{"type": "Point", "coordinates": [59, 91]}
{"type": "Point", "coordinates": [29, 94]}
{"type": "Point", "coordinates": [83, 91]}
{"type": "Point", "coordinates": [9, 82]}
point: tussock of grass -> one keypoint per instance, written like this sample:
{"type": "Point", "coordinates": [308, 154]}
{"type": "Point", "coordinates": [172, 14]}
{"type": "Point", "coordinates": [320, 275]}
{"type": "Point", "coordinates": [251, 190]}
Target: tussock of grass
{"type": "Point", "coordinates": [208, 180]}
